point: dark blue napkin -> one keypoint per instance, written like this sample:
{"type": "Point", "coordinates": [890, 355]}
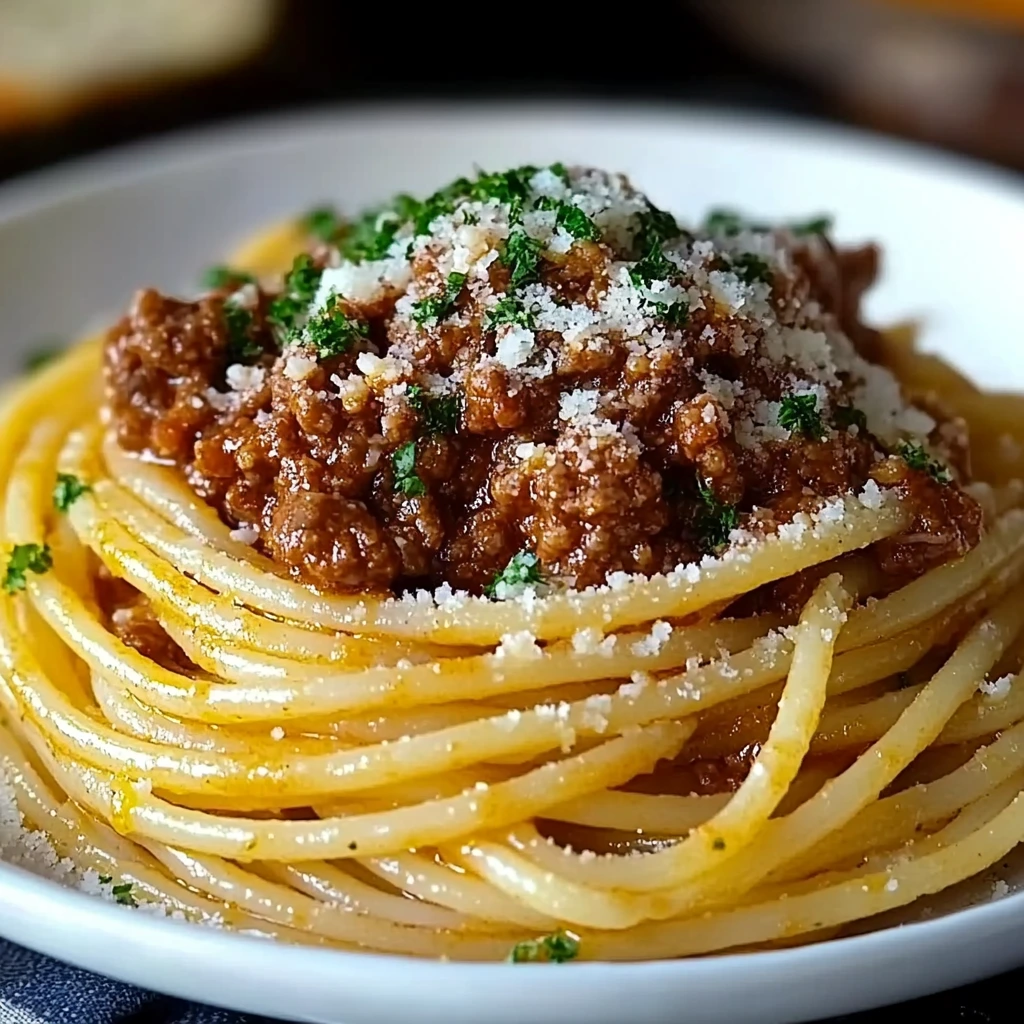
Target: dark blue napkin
{"type": "Point", "coordinates": [37, 990]}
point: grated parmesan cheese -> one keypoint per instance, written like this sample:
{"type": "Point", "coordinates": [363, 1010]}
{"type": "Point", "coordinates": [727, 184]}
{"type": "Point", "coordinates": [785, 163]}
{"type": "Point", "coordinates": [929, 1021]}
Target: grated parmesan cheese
{"type": "Point", "coordinates": [996, 689]}
{"type": "Point", "coordinates": [298, 368]}
{"type": "Point", "coordinates": [654, 641]}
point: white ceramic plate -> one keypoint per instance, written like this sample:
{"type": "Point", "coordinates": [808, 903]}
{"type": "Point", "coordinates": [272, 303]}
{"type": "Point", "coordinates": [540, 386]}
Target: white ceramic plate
{"type": "Point", "coordinates": [74, 244]}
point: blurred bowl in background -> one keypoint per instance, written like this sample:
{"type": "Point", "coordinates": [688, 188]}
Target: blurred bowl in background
{"type": "Point", "coordinates": [946, 71]}
{"type": "Point", "coordinates": [60, 56]}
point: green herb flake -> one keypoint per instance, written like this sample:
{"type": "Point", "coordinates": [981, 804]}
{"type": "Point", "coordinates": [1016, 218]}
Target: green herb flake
{"type": "Point", "coordinates": [300, 286]}
{"type": "Point", "coordinates": [559, 170]}
{"type": "Point", "coordinates": [221, 276]}
{"type": "Point", "coordinates": [915, 456]}
{"type": "Point", "coordinates": [571, 218]}
{"type": "Point", "coordinates": [26, 558]}
{"type": "Point", "coordinates": [323, 222]}
{"type": "Point", "coordinates": [675, 314]}
{"type": "Point", "coordinates": [723, 222]}
{"type": "Point", "coordinates": [653, 266]}
{"type": "Point", "coordinates": [820, 225]}
{"type": "Point", "coordinates": [332, 332]}
{"type": "Point", "coordinates": [123, 894]}
{"type": "Point", "coordinates": [404, 463]}
{"type": "Point", "coordinates": [241, 346]}
{"type": "Point", "coordinates": [371, 235]}
{"type": "Point", "coordinates": [750, 268]}
{"type": "Point", "coordinates": [718, 843]}
{"type": "Point", "coordinates": [522, 257]}
{"type": "Point", "coordinates": [509, 310]}
{"type": "Point", "coordinates": [304, 278]}
{"type": "Point", "coordinates": [847, 416]}
{"type": "Point", "coordinates": [106, 879]}
{"type": "Point", "coordinates": [716, 520]}
{"type": "Point", "coordinates": [799, 415]}
{"type": "Point", "coordinates": [45, 353]}
{"type": "Point", "coordinates": [523, 570]}
{"type": "Point", "coordinates": [510, 187]}
{"type": "Point", "coordinates": [437, 307]}
{"type": "Point", "coordinates": [67, 490]}
{"type": "Point", "coordinates": [654, 228]}
{"type": "Point", "coordinates": [440, 413]}
{"type": "Point", "coordinates": [557, 948]}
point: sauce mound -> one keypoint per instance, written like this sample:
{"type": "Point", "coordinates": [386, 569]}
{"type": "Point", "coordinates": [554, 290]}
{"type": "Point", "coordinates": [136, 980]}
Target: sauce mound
{"type": "Point", "coordinates": [535, 373]}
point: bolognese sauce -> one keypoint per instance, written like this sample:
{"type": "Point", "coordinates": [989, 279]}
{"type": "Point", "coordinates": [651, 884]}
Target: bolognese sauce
{"type": "Point", "coordinates": [534, 374]}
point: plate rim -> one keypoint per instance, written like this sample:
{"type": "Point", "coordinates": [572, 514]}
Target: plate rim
{"type": "Point", "coordinates": [153, 155]}
{"type": "Point", "coordinates": [113, 167]}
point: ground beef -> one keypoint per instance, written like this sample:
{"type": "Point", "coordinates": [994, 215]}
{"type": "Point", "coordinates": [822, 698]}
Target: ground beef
{"type": "Point", "coordinates": [598, 454]}
{"type": "Point", "coordinates": [131, 618]}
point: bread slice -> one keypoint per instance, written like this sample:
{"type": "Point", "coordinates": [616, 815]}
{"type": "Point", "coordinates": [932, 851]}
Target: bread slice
{"type": "Point", "coordinates": [58, 55]}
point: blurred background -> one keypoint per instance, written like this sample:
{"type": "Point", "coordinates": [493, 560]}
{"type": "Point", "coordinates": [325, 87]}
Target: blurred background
{"type": "Point", "coordinates": [79, 75]}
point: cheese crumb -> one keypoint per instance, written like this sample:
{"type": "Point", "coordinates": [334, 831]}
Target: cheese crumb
{"type": "Point", "coordinates": [244, 378]}
{"type": "Point", "coordinates": [521, 645]}
{"type": "Point", "coordinates": [654, 641]}
{"type": "Point", "coordinates": [996, 689]}
{"type": "Point", "coordinates": [299, 367]}
{"type": "Point", "coordinates": [515, 347]}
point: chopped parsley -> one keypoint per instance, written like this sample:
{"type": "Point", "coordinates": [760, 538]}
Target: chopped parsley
{"type": "Point", "coordinates": [123, 894]}
{"type": "Point", "coordinates": [523, 570]}
{"type": "Point", "coordinates": [559, 170]}
{"type": "Point", "coordinates": [372, 234]}
{"type": "Point", "coordinates": [915, 456]}
{"type": "Point", "coordinates": [323, 222]}
{"type": "Point", "coordinates": [304, 278]}
{"type": "Point", "coordinates": [577, 223]}
{"type": "Point", "coordinates": [509, 310]}
{"type": "Point", "coordinates": [675, 314]}
{"type": "Point", "coordinates": [847, 416]}
{"type": "Point", "coordinates": [557, 948]}
{"type": "Point", "coordinates": [241, 346]}
{"type": "Point", "coordinates": [41, 356]}
{"type": "Point", "coordinates": [26, 558]}
{"type": "Point", "coordinates": [820, 225]}
{"type": "Point", "coordinates": [510, 187]}
{"type": "Point", "coordinates": [799, 415]}
{"type": "Point", "coordinates": [404, 463]}
{"type": "Point", "coordinates": [522, 257]}
{"type": "Point", "coordinates": [716, 520]}
{"type": "Point", "coordinates": [654, 228]}
{"type": "Point", "coordinates": [571, 218]}
{"type": "Point", "coordinates": [723, 222]}
{"type": "Point", "coordinates": [653, 266]}
{"type": "Point", "coordinates": [440, 412]}
{"type": "Point", "coordinates": [442, 202]}
{"type": "Point", "coordinates": [751, 268]}
{"type": "Point", "coordinates": [437, 307]}
{"type": "Point", "coordinates": [67, 490]}
{"type": "Point", "coordinates": [300, 286]}
{"type": "Point", "coordinates": [332, 332]}
{"type": "Point", "coordinates": [106, 879]}
{"type": "Point", "coordinates": [470, 218]}
{"type": "Point", "coordinates": [718, 843]}
{"type": "Point", "coordinates": [222, 276]}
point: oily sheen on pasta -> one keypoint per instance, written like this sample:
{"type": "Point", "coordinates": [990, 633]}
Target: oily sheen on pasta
{"type": "Point", "coordinates": [516, 573]}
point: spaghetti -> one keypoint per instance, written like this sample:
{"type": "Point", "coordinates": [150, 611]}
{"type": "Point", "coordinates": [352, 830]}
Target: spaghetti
{"type": "Point", "coordinates": [750, 676]}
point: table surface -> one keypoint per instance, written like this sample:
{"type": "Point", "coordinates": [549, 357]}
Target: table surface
{"type": "Point", "coordinates": [302, 66]}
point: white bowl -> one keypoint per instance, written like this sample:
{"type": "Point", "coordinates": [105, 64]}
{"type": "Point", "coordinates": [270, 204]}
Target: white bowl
{"type": "Point", "coordinates": [74, 243]}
